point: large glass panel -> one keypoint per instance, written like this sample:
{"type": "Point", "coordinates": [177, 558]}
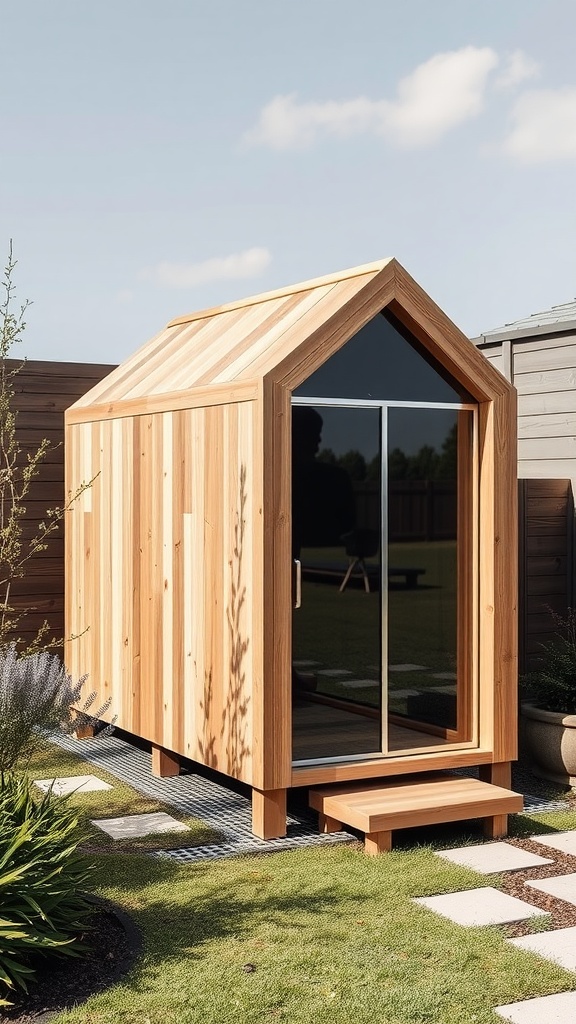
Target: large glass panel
{"type": "Point", "coordinates": [428, 451]}
{"type": "Point", "coordinates": [381, 362]}
{"type": "Point", "coordinates": [337, 529]}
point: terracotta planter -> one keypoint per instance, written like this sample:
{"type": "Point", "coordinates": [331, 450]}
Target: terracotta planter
{"type": "Point", "coordinates": [549, 740]}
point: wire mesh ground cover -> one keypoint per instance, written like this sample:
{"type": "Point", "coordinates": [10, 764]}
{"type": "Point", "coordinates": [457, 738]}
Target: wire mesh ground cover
{"type": "Point", "coordinates": [224, 809]}
{"type": "Point", "coordinates": [195, 796]}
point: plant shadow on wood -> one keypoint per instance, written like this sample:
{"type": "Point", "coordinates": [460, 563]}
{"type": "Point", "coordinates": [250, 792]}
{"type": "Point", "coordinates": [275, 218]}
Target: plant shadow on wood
{"type": "Point", "coordinates": [234, 714]}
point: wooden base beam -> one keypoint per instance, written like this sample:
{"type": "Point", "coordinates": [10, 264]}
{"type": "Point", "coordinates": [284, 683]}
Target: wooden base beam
{"type": "Point", "coordinates": [82, 730]}
{"type": "Point", "coordinates": [165, 763]}
{"type": "Point", "coordinates": [497, 774]}
{"type": "Point", "coordinates": [269, 813]}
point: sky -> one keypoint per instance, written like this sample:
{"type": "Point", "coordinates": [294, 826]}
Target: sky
{"type": "Point", "coordinates": [158, 158]}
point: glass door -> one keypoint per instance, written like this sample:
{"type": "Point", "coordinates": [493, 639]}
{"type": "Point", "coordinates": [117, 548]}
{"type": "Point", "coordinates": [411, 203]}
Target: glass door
{"type": "Point", "coordinates": [384, 550]}
{"type": "Point", "coordinates": [337, 552]}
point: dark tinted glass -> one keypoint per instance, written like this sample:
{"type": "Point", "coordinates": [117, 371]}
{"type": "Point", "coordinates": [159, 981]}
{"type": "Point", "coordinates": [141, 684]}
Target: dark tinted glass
{"type": "Point", "coordinates": [379, 362]}
{"type": "Point", "coordinates": [337, 529]}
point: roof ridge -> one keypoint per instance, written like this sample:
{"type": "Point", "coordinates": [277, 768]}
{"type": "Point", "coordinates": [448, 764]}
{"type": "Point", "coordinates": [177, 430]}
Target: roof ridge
{"type": "Point", "coordinates": [301, 286]}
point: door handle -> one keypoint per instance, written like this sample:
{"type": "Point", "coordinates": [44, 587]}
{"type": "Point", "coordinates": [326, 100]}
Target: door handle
{"type": "Point", "coordinates": [298, 583]}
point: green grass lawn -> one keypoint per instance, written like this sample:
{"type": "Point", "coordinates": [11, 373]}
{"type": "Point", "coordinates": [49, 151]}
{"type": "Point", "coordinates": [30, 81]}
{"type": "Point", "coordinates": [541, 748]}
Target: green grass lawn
{"type": "Point", "coordinates": [330, 935]}
{"type": "Point", "coordinates": [50, 762]}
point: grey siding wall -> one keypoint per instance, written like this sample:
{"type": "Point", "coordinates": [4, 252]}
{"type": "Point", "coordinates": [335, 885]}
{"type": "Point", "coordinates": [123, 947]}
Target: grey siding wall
{"type": "Point", "coordinates": [543, 369]}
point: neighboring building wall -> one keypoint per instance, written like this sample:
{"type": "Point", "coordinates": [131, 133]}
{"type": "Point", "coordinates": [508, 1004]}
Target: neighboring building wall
{"type": "Point", "coordinates": [543, 370]}
{"type": "Point", "coordinates": [43, 390]}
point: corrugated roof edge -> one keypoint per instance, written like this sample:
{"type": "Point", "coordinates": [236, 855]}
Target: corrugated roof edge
{"type": "Point", "coordinates": [302, 286]}
{"type": "Point", "coordinates": [507, 334]}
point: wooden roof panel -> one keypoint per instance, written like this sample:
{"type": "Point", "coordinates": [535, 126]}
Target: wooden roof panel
{"type": "Point", "coordinates": [285, 334]}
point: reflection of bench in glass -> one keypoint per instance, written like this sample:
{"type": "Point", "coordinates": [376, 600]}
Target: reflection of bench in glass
{"type": "Point", "coordinates": [368, 571]}
{"type": "Point", "coordinates": [410, 575]}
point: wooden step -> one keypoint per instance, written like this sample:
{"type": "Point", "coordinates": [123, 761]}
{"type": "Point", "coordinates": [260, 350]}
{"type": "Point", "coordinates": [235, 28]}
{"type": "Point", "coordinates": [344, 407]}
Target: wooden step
{"type": "Point", "coordinates": [376, 808]}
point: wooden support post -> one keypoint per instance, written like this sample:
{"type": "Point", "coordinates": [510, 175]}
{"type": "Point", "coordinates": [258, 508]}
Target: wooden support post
{"type": "Point", "coordinates": [498, 774]}
{"type": "Point", "coordinates": [269, 813]}
{"type": "Point", "coordinates": [165, 764]}
{"type": "Point", "coordinates": [327, 824]}
{"type": "Point", "coordinates": [496, 827]}
{"type": "Point", "coordinates": [82, 730]}
{"type": "Point", "coordinates": [377, 842]}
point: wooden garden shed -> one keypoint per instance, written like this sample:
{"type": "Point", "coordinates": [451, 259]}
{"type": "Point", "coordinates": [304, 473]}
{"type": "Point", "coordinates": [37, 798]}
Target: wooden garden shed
{"type": "Point", "coordinates": [296, 562]}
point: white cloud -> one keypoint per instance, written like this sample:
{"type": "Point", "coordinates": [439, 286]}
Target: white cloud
{"type": "Point", "coordinates": [249, 263]}
{"type": "Point", "coordinates": [518, 68]}
{"type": "Point", "coordinates": [438, 95]}
{"type": "Point", "coordinates": [543, 126]}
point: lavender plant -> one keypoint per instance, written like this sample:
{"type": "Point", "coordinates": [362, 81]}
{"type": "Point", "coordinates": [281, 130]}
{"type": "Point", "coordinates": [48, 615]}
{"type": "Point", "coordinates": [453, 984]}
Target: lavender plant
{"type": "Point", "coordinates": [36, 693]}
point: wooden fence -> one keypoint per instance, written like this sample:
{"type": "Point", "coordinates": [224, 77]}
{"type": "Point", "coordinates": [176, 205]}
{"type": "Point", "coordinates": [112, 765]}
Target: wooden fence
{"type": "Point", "coordinates": [546, 537]}
{"type": "Point", "coordinates": [43, 390]}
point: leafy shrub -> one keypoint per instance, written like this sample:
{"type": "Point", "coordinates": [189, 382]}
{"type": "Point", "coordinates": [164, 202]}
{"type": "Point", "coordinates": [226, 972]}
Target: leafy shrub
{"type": "Point", "coordinates": [553, 685]}
{"type": "Point", "coordinates": [42, 876]}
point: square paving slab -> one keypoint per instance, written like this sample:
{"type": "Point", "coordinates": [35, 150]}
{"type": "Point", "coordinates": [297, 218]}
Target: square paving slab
{"type": "Point", "coordinates": [136, 825]}
{"type": "Point", "coordinates": [565, 841]}
{"type": "Point", "coordinates": [357, 684]}
{"type": "Point", "coordinates": [480, 907]}
{"type": "Point", "coordinates": [406, 668]}
{"type": "Point", "coordinates": [558, 946]}
{"type": "Point", "coordinates": [333, 672]}
{"type": "Point", "coordinates": [562, 886]}
{"type": "Point", "coordinates": [489, 858]}
{"type": "Point", "coordinates": [556, 1009]}
{"type": "Point", "coordinates": [71, 784]}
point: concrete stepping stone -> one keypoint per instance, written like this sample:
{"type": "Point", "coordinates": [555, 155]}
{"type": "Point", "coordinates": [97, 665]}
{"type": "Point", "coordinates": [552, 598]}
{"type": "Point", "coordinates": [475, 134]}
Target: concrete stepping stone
{"type": "Point", "coordinates": [136, 825]}
{"type": "Point", "coordinates": [478, 907]}
{"type": "Point", "coordinates": [403, 693]}
{"type": "Point", "coordinates": [444, 675]}
{"type": "Point", "coordinates": [357, 684]}
{"type": "Point", "coordinates": [490, 858]}
{"type": "Point", "coordinates": [304, 663]}
{"type": "Point", "coordinates": [333, 672]}
{"type": "Point", "coordinates": [558, 946]}
{"type": "Point", "coordinates": [557, 1009]}
{"type": "Point", "coordinates": [561, 886]}
{"type": "Point", "coordinates": [406, 668]}
{"type": "Point", "coordinates": [72, 784]}
{"type": "Point", "coordinates": [564, 841]}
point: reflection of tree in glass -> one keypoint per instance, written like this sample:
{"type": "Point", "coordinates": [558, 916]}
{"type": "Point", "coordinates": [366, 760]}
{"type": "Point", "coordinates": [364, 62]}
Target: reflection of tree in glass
{"type": "Point", "coordinates": [427, 464]}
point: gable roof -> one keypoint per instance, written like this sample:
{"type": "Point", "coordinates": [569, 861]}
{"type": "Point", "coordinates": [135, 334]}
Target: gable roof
{"type": "Point", "coordinates": [549, 321]}
{"type": "Point", "coordinates": [285, 334]}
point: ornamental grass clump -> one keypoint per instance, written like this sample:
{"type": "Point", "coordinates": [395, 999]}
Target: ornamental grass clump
{"type": "Point", "coordinates": [42, 877]}
{"type": "Point", "coordinates": [552, 687]}
{"type": "Point", "coordinates": [36, 693]}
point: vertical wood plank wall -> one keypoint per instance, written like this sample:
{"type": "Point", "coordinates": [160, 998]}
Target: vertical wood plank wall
{"type": "Point", "coordinates": [42, 391]}
{"type": "Point", "coordinates": [172, 637]}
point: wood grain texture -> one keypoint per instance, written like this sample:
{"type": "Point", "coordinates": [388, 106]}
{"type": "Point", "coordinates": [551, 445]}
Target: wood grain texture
{"type": "Point", "coordinates": [180, 561]}
{"type": "Point", "coordinates": [375, 807]}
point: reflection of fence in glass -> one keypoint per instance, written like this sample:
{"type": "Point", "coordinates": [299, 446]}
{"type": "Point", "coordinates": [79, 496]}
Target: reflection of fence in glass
{"type": "Point", "coordinates": [417, 509]}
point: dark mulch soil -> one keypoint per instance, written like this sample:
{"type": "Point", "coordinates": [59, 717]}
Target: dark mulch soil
{"type": "Point", "coordinates": [63, 983]}
{"type": "Point", "coordinates": [562, 914]}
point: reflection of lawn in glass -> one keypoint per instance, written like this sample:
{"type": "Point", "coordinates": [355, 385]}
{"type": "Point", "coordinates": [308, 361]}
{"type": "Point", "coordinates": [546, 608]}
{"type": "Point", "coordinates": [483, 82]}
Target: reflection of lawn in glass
{"type": "Point", "coordinates": [341, 631]}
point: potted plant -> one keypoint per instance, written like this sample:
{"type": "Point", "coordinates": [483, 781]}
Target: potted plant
{"type": "Point", "coordinates": [548, 725]}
